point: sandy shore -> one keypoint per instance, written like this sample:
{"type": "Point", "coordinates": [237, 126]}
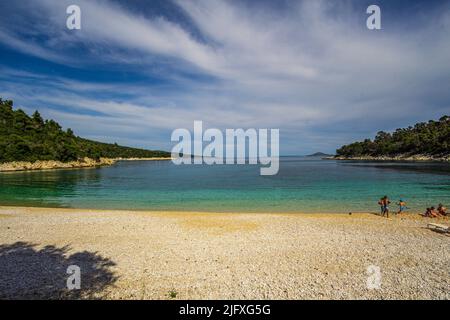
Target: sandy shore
{"type": "Point", "coordinates": [157, 255]}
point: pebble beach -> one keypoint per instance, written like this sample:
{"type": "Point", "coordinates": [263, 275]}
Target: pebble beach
{"type": "Point", "coordinates": [190, 255]}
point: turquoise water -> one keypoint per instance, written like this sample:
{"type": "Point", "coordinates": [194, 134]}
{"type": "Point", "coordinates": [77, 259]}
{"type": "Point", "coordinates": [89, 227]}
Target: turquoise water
{"type": "Point", "coordinates": [302, 185]}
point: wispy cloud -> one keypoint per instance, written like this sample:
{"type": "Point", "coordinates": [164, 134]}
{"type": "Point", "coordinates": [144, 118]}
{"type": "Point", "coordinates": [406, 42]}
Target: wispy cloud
{"type": "Point", "coordinates": [310, 68]}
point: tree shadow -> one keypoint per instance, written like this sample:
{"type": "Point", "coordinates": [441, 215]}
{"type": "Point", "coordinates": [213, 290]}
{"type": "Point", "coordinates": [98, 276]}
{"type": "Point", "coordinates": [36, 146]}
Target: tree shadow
{"type": "Point", "coordinates": [27, 272]}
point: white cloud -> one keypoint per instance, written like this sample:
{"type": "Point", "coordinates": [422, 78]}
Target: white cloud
{"type": "Point", "coordinates": [307, 70]}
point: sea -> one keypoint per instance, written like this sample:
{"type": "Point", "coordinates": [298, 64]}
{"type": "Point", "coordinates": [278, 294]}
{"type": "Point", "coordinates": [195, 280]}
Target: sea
{"type": "Point", "coordinates": [303, 184]}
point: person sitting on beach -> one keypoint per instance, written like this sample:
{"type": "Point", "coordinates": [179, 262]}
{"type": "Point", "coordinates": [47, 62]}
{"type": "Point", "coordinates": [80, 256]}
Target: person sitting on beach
{"type": "Point", "coordinates": [402, 206]}
{"type": "Point", "coordinates": [386, 203]}
{"type": "Point", "coordinates": [431, 212]}
{"type": "Point", "coordinates": [442, 210]}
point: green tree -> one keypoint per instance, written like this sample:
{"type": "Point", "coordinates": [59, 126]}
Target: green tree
{"type": "Point", "coordinates": [431, 138]}
{"type": "Point", "coordinates": [25, 138]}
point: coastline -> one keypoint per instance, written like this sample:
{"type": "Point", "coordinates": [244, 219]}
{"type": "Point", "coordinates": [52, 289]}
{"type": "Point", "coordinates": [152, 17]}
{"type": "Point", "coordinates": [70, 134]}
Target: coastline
{"type": "Point", "coordinates": [144, 159]}
{"type": "Point", "coordinates": [147, 255]}
{"type": "Point", "coordinates": [79, 164]}
{"type": "Point", "coordinates": [418, 158]}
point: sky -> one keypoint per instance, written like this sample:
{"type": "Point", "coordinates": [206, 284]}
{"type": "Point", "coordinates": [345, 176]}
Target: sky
{"type": "Point", "coordinates": [137, 70]}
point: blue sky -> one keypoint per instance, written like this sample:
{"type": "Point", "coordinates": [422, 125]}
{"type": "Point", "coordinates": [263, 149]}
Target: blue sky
{"type": "Point", "coordinates": [139, 69]}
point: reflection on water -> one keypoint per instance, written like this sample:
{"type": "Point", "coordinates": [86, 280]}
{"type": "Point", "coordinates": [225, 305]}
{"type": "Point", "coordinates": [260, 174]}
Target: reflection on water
{"type": "Point", "coordinates": [45, 188]}
{"type": "Point", "coordinates": [303, 184]}
{"type": "Point", "coordinates": [425, 167]}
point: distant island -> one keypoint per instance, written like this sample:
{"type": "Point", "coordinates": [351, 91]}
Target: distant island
{"type": "Point", "coordinates": [424, 142]}
{"type": "Point", "coordinates": [28, 143]}
{"type": "Point", "coordinates": [319, 154]}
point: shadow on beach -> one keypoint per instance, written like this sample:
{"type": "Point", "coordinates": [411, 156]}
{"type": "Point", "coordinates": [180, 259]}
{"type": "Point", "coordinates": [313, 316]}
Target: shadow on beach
{"type": "Point", "coordinates": [28, 272]}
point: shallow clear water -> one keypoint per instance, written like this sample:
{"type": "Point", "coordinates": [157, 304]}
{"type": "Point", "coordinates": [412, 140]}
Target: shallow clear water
{"type": "Point", "coordinates": [302, 185]}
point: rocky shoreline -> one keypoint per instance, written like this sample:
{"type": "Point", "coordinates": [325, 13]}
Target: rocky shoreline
{"type": "Point", "coordinates": [51, 164]}
{"type": "Point", "coordinates": [144, 159]}
{"type": "Point", "coordinates": [418, 157]}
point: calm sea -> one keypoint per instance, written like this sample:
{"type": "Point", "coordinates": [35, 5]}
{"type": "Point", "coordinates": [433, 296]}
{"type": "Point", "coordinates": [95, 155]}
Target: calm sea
{"type": "Point", "coordinates": [302, 185]}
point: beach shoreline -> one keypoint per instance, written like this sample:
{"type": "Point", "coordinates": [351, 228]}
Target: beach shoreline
{"type": "Point", "coordinates": [198, 255]}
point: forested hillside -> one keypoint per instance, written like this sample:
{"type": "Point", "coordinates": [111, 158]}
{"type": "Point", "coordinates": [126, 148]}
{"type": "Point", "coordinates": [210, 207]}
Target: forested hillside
{"type": "Point", "coordinates": [25, 138]}
{"type": "Point", "coordinates": [430, 138]}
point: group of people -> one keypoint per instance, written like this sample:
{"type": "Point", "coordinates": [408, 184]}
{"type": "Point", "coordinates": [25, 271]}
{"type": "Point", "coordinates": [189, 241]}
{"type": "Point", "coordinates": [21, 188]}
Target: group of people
{"type": "Point", "coordinates": [384, 206]}
{"type": "Point", "coordinates": [432, 212]}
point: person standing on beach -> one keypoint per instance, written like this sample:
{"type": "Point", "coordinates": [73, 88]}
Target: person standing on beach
{"type": "Point", "coordinates": [402, 206]}
{"type": "Point", "coordinates": [380, 202]}
{"type": "Point", "coordinates": [386, 203]}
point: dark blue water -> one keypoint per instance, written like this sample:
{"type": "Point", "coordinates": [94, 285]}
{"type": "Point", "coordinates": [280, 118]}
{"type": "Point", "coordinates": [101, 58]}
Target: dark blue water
{"type": "Point", "coordinates": [302, 185]}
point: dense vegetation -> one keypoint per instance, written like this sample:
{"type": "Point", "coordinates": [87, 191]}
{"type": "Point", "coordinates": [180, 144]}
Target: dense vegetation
{"type": "Point", "coordinates": [432, 139]}
{"type": "Point", "coordinates": [25, 138]}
